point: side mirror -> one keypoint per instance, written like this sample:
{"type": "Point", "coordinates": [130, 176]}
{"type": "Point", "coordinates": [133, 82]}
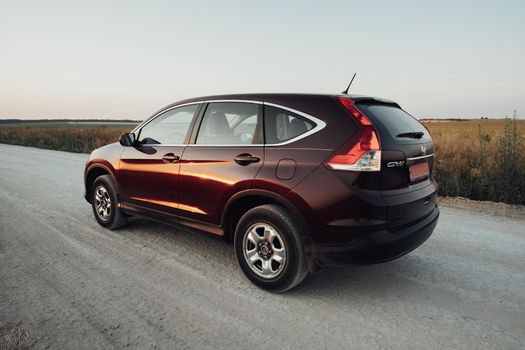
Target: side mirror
{"type": "Point", "coordinates": [127, 139]}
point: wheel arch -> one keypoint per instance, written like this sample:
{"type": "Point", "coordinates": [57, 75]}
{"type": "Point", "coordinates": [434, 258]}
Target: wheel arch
{"type": "Point", "coordinates": [91, 175]}
{"type": "Point", "coordinates": [245, 200]}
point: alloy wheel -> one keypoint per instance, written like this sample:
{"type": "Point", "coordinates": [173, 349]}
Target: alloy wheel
{"type": "Point", "coordinates": [264, 250]}
{"type": "Point", "coordinates": [102, 203]}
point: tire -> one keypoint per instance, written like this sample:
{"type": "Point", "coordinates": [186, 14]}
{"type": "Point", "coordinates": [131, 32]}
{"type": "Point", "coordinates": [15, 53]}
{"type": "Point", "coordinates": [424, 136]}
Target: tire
{"type": "Point", "coordinates": [273, 227]}
{"type": "Point", "coordinates": [104, 201]}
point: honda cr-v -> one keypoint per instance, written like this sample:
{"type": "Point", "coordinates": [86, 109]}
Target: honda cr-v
{"type": "Point", "coordinates": [297, 182]}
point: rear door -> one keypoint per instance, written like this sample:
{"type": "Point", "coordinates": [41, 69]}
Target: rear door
{"type": "Point", "coordinates": [148, 174]}
{"type": "Point", "coordinates": [407, 162]}
{"type": "Point", "coordinates": [224, 158]}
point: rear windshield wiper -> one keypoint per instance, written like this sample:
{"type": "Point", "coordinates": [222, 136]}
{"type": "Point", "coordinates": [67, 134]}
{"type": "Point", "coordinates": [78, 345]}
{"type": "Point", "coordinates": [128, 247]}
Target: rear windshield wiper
{"type": "Point", "coordinates": [412, 134]}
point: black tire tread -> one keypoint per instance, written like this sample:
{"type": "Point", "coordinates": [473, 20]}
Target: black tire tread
{"type": "Point", "coordinates": [291, 224]}
{"type": "Point", "coordinates": [118, 219]}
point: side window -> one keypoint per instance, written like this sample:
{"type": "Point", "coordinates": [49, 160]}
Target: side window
{"type": "Point", "coordinates": [171, 127]}
{"type": "Point", "coordinates": [281, 125]}
{"type": "Point", "coordinates": [231, 123]}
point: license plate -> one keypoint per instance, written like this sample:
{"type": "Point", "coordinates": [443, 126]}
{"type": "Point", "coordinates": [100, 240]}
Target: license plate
{"type": "Point", "coordinates": [418, 171]}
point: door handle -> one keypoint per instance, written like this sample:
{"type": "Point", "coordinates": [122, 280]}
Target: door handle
{"type": "Point", "coordinates": [245, 159]}
{"type": "Point", "coordinates": [170, 158]}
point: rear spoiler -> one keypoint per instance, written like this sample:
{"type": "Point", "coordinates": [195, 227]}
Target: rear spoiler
{"type": "Point", "coordinates": [377, 100]}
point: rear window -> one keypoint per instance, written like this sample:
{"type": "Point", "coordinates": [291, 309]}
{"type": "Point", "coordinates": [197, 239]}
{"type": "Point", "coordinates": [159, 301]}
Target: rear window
{"type": "Point", "coordinates": [394, 124]}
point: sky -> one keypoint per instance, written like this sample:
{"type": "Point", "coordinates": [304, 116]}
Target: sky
{"type": "Point", "coordinates": [127, 59]}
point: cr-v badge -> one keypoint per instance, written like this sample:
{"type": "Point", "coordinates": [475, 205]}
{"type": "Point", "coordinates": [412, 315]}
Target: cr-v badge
{"type": "Point", "coordinates": [395, 164]}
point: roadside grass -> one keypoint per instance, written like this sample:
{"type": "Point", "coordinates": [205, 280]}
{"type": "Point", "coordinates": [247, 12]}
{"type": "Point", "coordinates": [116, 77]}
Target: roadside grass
{"type": "Point", "coordinates": [70, 139]}
{"type": "Point", "coordinates": [480, 159]}
{"type": "Point", "coordinates": [13, 336]}
{"type": "Point", "coordinates": [79, 136]}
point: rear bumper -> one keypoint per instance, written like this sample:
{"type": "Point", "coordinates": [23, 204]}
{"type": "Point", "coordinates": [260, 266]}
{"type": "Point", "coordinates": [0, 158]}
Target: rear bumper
{"type": "Point", "coordinates": [376, 247]}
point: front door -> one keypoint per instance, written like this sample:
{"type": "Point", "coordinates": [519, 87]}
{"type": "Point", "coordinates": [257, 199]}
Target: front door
{"type": "Point", "coordinates": [225, 158]}
{"type": "Point", "coordinates": [148, 173]}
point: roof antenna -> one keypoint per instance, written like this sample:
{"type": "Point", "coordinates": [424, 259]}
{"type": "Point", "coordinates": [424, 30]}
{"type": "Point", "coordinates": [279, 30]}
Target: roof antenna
{"type": "Point", "coordinates": [348, 87]}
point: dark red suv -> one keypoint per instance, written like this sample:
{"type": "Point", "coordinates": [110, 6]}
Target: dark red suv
{"type": "Point", "coordinates": [298, 182]}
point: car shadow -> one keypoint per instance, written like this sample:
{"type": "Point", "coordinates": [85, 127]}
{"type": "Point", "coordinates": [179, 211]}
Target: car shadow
{"type": "Point", "coordinates": [397, 277]}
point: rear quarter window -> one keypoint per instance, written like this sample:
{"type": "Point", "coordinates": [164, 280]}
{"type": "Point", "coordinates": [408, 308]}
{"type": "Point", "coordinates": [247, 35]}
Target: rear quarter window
{"type": "Point", "coordinates": [281, 125]}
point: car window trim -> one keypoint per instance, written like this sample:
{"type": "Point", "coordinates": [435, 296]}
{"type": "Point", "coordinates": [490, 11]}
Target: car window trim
{"type": "Point", "coordinates": [139, 127]}
{"type": "Point", "coordinates": [319, 125]}
{"type": "Point", "coordinates": [197, 121]}
{"type": "Point", "coordinates": [198, 124]}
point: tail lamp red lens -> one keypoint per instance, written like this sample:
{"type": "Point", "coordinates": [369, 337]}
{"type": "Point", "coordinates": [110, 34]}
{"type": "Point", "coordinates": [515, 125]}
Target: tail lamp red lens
{"type": "Point", "coordinates": [363, 155]}
{"type": "Point", "coordinates": [349, 106]}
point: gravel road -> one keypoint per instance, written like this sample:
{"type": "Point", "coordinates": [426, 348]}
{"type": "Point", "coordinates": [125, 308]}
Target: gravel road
{"type": "Point", "coordinates": [76, 285]}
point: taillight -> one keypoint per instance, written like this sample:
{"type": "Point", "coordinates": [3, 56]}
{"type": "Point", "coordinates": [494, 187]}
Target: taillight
{"type": "Point", "coordinates": [363, 155]}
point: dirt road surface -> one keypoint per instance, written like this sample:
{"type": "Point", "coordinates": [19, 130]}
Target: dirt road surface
{"type": "Point", "coordinates": [76, 285]}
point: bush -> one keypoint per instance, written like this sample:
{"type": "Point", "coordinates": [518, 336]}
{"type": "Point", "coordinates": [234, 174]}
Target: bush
{"type": "Point", "coordinates": [510, 163]}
